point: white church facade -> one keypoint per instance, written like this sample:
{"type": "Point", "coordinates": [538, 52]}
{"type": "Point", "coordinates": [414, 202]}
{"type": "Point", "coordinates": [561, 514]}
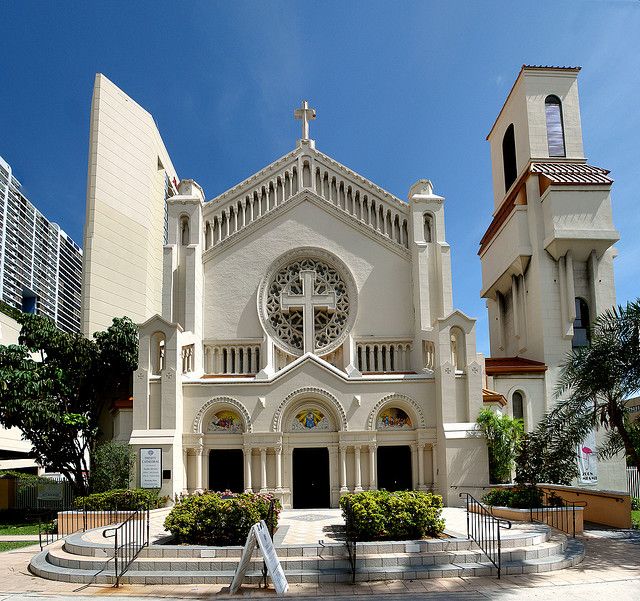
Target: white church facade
{"type": "Point", "coordinates": [297, 332]}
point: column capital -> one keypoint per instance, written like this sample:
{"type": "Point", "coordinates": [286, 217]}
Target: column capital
{"type": "Point", "coordinates": [372, 447]}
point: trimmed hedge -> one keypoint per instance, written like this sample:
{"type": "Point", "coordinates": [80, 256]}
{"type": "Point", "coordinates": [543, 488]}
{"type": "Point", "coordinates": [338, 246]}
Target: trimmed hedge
{"type": "Point", "coordinates": [402, 515]}
{"type": "Point", "coordinates": [214, 518]}
{"type": "Point", "coordinates": [520, 497]}
{"type": "Point", "coordinates": [122, 498]}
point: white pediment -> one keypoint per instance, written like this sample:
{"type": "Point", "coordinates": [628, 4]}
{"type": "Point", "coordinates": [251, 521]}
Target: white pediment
{"type": "Point", "coordinates": [306, 170]}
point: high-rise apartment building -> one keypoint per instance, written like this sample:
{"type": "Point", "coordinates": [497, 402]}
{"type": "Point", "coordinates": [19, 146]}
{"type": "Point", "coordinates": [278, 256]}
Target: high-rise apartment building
{"type": "Point", "coordinates": [40, 265]}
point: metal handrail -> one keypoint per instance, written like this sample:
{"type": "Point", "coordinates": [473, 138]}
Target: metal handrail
{"type": "Point", "coordinates": [560, 516]}
{"type": "Point", "coordinates": [350, 538]}
{"type": "Point", "coordinates": [130, 538]}
{"type": "Point", "coordinates": [484, 529]}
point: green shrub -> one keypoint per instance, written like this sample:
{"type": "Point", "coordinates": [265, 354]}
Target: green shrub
{"type": "Point", "coordinates": [519, 497]}
{"type": "Point", "coordinates": [500, 497]}
{"type": "Point", "coordinates": [635, 503]}
{"type": "Point", "coordinates": [402, 515]}
{"type": "Point", "coordinates": [218, 518]}
{"type": "Point", "coordinates": [122, 498]}
{"type": "Point", "coordinates": [111, 466]}
{"type": "Point", "coordinates": [24, 477]}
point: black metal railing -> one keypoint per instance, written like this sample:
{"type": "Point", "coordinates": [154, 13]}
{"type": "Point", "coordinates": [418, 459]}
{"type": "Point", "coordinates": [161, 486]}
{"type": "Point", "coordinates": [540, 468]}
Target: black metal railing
{"type": "Point", "coordinates": [556, 512]}
{"type": "Point", "coordinates": [351, 537]}
{"type": "Point", "coordinates": [130, 538]}
{"type": "Point", "coordinates": [484, 529]}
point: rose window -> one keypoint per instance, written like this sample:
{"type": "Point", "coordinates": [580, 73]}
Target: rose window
{"type": "Point", "coordinates": [305, 305]}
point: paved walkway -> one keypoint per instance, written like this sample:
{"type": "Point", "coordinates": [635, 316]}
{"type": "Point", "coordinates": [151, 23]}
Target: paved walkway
{"type": "Point", "coordinates": [611, 570]}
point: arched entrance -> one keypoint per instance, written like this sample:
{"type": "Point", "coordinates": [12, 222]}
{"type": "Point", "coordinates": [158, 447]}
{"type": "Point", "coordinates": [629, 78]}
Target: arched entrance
{"type": "Point", "coordinates": [311, 477]}
{"type": "Point", "coordinates": [394, 468]}
{"type": "Point", "coordinates": [226, 470]}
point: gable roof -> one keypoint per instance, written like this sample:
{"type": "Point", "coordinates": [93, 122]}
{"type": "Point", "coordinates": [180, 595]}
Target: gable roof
{"type": "Point", "coordinates": [305, 169]}
{"type": "Point", "coordinates": [512, 365]}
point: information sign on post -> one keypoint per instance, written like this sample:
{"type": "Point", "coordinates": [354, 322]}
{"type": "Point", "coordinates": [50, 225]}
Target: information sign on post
{"type": "Point", "coordinates": [259, 534]}
{"type": "Point", "coordinates": [150, 468]}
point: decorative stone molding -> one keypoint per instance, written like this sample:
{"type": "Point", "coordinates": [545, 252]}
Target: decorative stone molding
{"type": "Point", "coordinates": [221, 400]}
{"type": "Point", "coordinates": [332, 274]}
{"type": "Point", "coordinates": [389, 400]}
{"type": "Point", "coordinates": [319, 393]}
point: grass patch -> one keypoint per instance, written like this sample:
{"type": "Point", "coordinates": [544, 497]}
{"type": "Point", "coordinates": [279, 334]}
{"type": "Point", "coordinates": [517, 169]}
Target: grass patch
{"type": "Point", "coordinates": [18, 528]}
{"type": "Point", "coordinates": [13, 546]}
{"type": "Point", "coordinates": [635, 519]}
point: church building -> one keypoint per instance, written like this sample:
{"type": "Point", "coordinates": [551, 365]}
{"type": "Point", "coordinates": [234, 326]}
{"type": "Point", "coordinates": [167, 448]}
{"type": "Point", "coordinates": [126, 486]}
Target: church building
{"type": "Point", "coordinates": [298, 334]}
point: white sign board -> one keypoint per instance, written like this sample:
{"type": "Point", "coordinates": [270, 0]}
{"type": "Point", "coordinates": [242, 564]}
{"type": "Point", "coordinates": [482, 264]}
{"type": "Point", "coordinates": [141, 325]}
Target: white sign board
{"type": "Point", "coordinates": [587, 460]}
{"type": "Point", "coordinates": [259, 534]}
{"type": "Point", "coordinates": [50, 491]}
{"type": "Point", "coordinates": [150, 468]}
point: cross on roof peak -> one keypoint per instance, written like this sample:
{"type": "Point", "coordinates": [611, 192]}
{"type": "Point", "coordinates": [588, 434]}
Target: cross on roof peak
{"type": "Point", "coordinates": [305, 114]}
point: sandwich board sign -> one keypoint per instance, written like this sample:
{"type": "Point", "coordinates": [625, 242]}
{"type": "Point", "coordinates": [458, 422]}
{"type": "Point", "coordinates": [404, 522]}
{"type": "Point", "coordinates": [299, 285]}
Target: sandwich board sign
{"type": "Point", "coordinates": [259, 535]}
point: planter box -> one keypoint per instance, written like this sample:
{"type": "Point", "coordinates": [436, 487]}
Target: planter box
{"type": "Point", "coordinates": [550, 516]}
{"type": "Point", "coordinates": [74, 521]}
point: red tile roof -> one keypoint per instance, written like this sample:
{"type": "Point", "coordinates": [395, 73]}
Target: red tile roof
{"type": "Point", "coordinates": [512, 365]}
{"type": "Point", "coordinates": [491, 396]}
{"type": "Point", "coordinates": [572, 173]}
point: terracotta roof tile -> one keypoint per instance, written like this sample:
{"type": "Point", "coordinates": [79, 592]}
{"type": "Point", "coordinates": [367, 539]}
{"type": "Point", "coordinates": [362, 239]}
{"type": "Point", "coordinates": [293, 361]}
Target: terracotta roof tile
{"type": "Point", "coordinates": [512, 365]}
{"type": "Point", "coordinates": [572, 173]}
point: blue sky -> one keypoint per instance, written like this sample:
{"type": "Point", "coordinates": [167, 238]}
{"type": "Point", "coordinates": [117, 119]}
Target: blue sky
{"type": "Point", "coordinates": [403, 90]}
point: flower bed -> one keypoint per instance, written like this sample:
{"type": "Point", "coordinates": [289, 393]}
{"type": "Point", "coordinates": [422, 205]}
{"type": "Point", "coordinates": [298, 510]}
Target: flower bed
{"type": "Point", "coordinates": [121, 498]}
{"type": "Point", "coordinates": [215, 518]}
{"type": "Point", "coordinates": [403, 515]}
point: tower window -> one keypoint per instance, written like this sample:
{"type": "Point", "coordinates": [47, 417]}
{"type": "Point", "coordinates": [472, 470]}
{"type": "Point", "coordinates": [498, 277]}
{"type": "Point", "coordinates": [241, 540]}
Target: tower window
{"type": "Point", "coordinates": [517, 403]}
{"type": "Point", "coordinates": [428, 228]}
{"type": "Point", "coordinates": [509, 157]}
{"type": "Point", "coordinates": [555, 128]}
{"type": "Point", "coordinates": [581, 325]}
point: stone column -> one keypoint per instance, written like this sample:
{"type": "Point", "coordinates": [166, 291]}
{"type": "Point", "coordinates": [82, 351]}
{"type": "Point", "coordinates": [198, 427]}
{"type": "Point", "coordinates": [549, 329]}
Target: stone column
{"type": "Point", "coordinates": [263, 470]}
{"type": "Point", "coordinates": [420, 466]}
{"type": "Point", "coordinates": [358, 486]}
{"type": "Point", "coordinates": [247, 469]}
{"type": "Point", "coordinates": [199, 453]}
{"type": "Point", "coordinates": [205, 469]}
{"type": "Point", "coordinates": [434, 464]}
{"type": "Point", "coordinates": [343, 469]}
{"type": "Point", "coordinates": [372, 467]}
{"type": "Point", "coordinates": [279, 467]}
{"type": "Point", "coordinates": [414, 462]}
{"type": "Point", "coordinates": [185, 467]}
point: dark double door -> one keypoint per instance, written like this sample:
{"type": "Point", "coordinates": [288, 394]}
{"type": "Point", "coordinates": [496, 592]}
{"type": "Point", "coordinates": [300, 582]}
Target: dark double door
{"type": "Point", "coordinates": [394, 468]}
{"type": "Point", "coordinates": [311, 487]}
{"type": "Point", "coordinates": [226, 470]}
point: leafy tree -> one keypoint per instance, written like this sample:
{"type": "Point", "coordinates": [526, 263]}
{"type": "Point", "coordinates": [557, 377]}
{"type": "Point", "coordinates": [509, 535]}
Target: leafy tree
{"type": "Point", "coordinates": [597, 380]}
{"type": "Point", "coordinates": [503, 435]}
{"type": "Point", "coordinates": [543, 458]}
{"type": "Point", "coordinates": [111, 466]}
{"type": "Point", "coordinates": [57, 397]}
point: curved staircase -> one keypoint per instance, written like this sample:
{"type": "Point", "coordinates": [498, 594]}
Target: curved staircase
{"type": "Point", "coordinates": [528, 548]}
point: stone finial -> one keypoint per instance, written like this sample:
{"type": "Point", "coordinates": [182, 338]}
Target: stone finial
{"type": "Point", "coordinates": [189, 187]}
{"type": "Point", "coordinates": [423, 190]}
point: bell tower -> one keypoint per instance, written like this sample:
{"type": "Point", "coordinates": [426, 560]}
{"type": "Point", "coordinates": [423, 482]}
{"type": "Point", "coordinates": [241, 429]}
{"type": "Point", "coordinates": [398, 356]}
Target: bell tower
{"type": "Point", "coordinates": [547, 256]}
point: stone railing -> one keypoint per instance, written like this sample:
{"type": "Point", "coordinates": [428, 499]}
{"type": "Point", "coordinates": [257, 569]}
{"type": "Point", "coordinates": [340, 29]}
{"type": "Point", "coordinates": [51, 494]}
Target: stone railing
{"type": "Point", "coordinates": [187, 359]}
{"type": "Point", "coordinates": [384, 356]}
{"type": "Point", "coordinates": [275, 188]}
{"type": "Point", "coordinates": [232, 358]}
{"type": "Point", "coordinates": [429, 354]}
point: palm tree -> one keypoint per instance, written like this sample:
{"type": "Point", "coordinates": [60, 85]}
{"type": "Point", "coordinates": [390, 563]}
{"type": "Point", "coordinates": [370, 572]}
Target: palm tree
{"type": "Point", "coordinates": [597, 380]}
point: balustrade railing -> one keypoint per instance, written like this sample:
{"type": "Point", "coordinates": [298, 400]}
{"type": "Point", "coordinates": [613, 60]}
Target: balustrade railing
{"type": "Point", "coordinates": [484, 529]}
{"type": "Point", "coordinates": [232, 359]}
{"type": "Point", "coordinates": [274, 189]}
{"type": "Point", "coordinates": [383, 357]}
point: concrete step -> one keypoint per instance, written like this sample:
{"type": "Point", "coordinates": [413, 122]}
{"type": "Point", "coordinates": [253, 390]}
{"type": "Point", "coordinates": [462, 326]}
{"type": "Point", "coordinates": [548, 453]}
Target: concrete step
{"type": "Point", "coordinates": [572, 555]}
{"type": "Point", "coordinates": [61, 557]}
{"type": "Point", "coordinates": [57, 563]}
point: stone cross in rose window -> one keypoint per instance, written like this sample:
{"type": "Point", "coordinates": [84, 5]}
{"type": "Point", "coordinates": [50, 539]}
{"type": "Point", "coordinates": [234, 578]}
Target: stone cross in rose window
{"type": "Point", "coordinates": [308, 302]}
